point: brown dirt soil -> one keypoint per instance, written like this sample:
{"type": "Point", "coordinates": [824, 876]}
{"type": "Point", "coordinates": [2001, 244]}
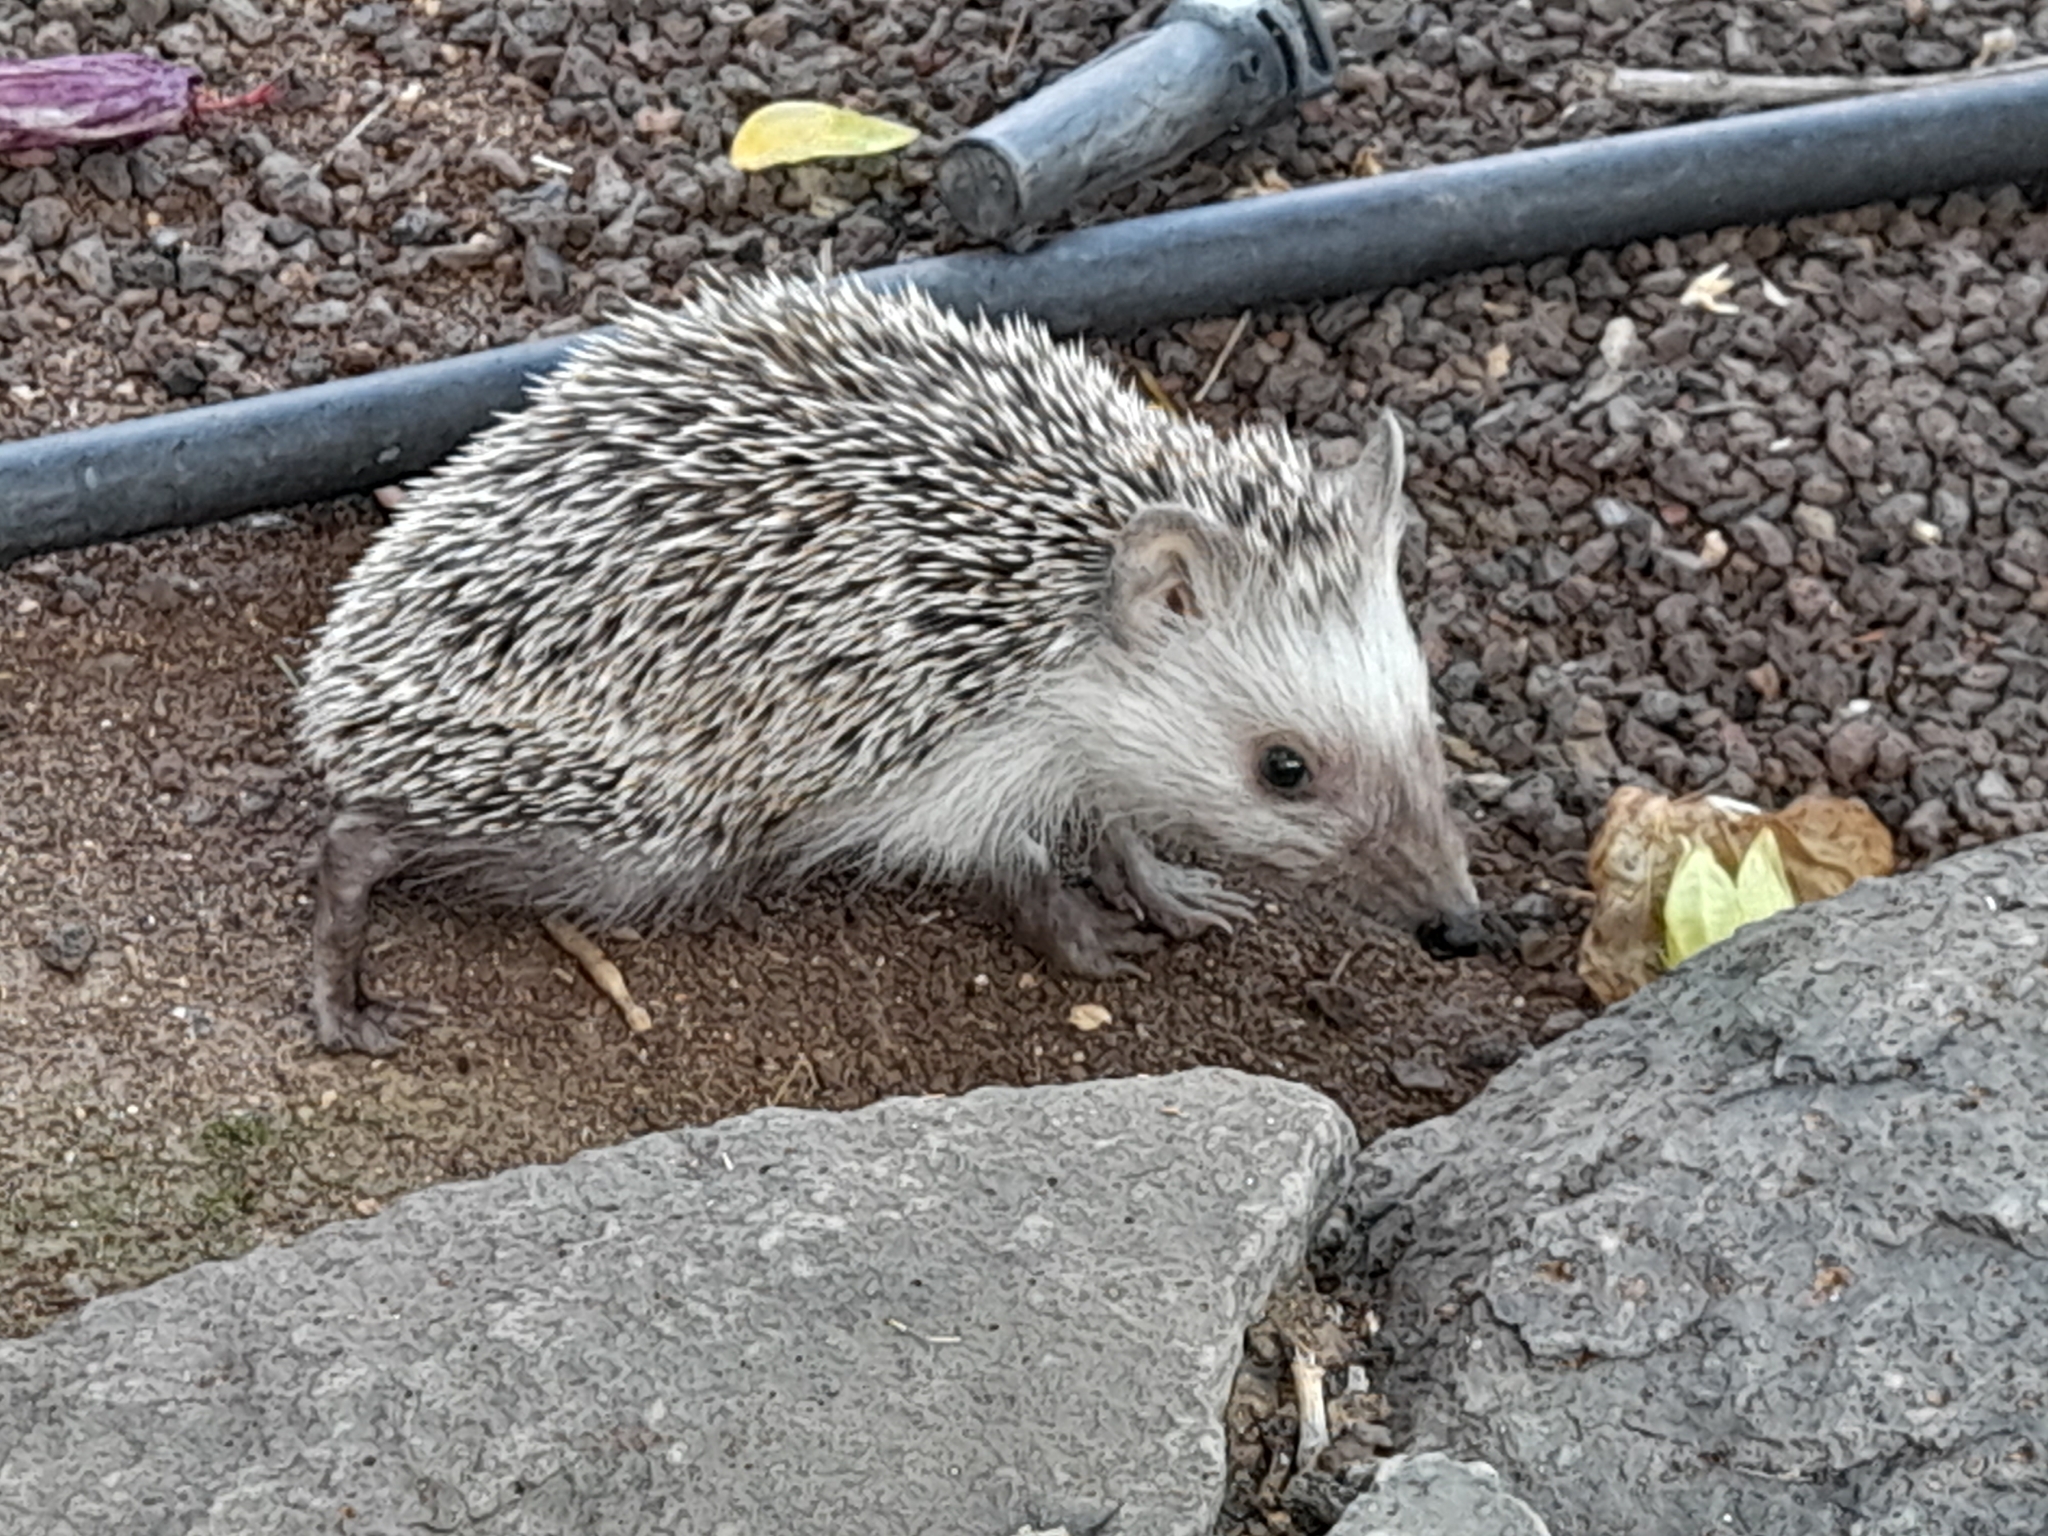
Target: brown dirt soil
{"type": "Point", "coordinates": [166, 1105]}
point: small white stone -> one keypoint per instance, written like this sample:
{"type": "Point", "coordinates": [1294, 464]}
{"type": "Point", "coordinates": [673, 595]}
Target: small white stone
{"type": "Point", "coordinates": [1618, 343]}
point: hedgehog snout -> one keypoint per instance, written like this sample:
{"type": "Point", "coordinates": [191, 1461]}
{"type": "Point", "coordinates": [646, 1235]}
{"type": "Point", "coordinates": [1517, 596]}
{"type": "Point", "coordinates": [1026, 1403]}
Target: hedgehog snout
{"type": "Point", "coordinates": [1461, 934]}
{"type": "Point", "coordinates": [1412, 871]}
{"type": "Point", "coordinates": [1460, 925]}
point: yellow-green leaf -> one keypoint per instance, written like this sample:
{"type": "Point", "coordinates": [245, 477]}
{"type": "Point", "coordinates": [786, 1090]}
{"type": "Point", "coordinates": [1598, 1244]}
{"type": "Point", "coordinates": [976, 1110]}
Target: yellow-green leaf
{"type": "Point", "coordinates": [1705, 904]}
{"type": "Point", "coordinates": [788, 132]}
{"type": "Point", "coordinates": [1700, 907]}
{"type": "Point", "coordinates": [1760, 884]}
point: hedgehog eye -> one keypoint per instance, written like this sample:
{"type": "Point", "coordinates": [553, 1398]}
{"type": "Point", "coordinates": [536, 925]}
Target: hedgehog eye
{"type": "Point", "coordinates": [1283, 768]}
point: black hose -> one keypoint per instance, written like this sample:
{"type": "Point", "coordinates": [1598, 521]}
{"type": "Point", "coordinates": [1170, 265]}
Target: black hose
{"type": "Point", "coordinates": [1324, 242]}
{"type": "Point", "coordinates": [1134, 111]}
{"type": "Point", "coordinates": [219, 461]}
{"type": "Point", "coordinates": [1350, 237]}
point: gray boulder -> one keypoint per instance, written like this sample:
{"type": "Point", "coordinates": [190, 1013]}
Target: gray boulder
{"type": "Point", "coordinates": [1014, 1308]}
{"type": "Point", "coordinates": [1763, 1249]}
{"type": "Point", "coordinates": [1432, 1495]}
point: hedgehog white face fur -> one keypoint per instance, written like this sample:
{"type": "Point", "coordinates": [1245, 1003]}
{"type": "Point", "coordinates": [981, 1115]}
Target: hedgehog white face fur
{"type": "Point", "coordinates": [800, 575]}
{"type": "Point", "coordinates": [1267, 731]}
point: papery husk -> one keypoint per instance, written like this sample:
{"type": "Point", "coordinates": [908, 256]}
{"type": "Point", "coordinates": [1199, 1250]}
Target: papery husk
{"type": "Point", "coordinates": [1826, 844]}
{"type": "Point", "coordinates": [99, 98]}
{"type": "Point", "coordinates": [83, 99]}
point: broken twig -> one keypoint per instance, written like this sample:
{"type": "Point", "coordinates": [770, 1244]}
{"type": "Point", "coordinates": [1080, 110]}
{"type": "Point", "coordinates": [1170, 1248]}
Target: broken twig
{"type": "Point", "coordinates": [1719, 88]}
{"type": "Point", "coordinates": [1230, 346]}
{"type": "Point", "coordinates": [600, 970]}
{"type": "Point", "coordinates": [1309, 1409]}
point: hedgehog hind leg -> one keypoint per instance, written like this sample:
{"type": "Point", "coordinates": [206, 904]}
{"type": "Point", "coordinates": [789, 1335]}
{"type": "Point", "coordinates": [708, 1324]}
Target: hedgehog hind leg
{"type": "Point", "coordinates": [358, 851]}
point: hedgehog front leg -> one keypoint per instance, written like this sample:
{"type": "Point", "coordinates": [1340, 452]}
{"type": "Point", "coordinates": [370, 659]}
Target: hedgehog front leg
{"type": "Point", "coordinates": [358, 851]}
{"type": "Point", "coordinates": [1177, 900]}
{"type": "Point", "coordinates": [1076, 933]}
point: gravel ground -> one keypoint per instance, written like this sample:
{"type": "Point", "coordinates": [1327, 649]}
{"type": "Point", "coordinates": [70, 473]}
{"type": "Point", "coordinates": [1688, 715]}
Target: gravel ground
{"type": "Point", "coordinates": [1801, 546]}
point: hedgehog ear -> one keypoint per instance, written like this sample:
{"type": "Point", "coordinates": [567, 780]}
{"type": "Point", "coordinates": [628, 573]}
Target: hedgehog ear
{"type": "Point", "coordinates": [1168, 565]}
{"type": "Point", "coordinates": [1373, 484]}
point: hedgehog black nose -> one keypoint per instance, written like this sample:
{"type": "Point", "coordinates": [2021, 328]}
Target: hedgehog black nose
{"type": "Point", "coordinates": [1460, 935]}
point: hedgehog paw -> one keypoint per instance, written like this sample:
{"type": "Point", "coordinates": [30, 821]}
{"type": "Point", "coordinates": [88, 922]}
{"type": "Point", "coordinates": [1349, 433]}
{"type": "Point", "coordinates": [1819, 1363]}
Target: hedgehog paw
{"type": "Point", "coordinates": [1079, 935]}
{"type": "Point", "coordinates": [1178, 900]}
{"type": "Point", "coordinates": [372, 1028]}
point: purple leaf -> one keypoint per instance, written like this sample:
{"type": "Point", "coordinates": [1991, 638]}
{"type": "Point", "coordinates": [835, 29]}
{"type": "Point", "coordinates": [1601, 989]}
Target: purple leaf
{"type": "Point", "coordinates": [91, 98]}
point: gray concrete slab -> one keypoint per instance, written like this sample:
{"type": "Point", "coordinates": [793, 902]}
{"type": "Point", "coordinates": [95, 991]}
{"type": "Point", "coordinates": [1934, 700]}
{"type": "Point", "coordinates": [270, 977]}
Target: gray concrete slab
{"type": "Point", "coordinates": [1432, 1495]}
{"type": "Point", "coordinates": [1017, 1307]}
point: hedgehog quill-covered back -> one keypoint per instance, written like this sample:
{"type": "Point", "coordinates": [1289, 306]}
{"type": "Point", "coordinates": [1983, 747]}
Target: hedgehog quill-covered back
{"type": "Point", "coordinates": [801, 577]}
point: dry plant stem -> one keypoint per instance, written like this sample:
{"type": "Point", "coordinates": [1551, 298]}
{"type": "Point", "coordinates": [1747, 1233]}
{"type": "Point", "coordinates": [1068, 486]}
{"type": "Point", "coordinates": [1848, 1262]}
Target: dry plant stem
{"type": "Point", "coordinates": [1309, 1409]}
{"type": "Point", "coordinates": [1156, 391]}
{"type": "Point", "coordinates": [600, 970]}
{"type": "Point", "coordinates": [204, 100]}
{"type": "Point", "coordinates": [1230, 346]}
{"type": "Point", "coordinates": [356, 132]}
{"type": "Point", "coordinates": [803, 1065]}
{"type": "Point", "coordinates": [1718, 88]}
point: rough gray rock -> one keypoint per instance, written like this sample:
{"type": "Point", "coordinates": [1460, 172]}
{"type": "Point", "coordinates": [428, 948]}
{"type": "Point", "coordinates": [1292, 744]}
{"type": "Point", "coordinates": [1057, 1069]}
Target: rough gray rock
{"type": "Point", "coordinates": [1018, 1307]}
{"type": "Point", "coordinates": [87, 264]}
{"type": "Point", "coordinates": [44, 220]}
{"type": "Point", "coordinates": [1432, 1495]}
{"type": "Point", "coordinates": [245, 19]}
{"type": "Point", "coordinates": [1763, 1249]}
{"type": "Point", "coordinates": [290, 186]}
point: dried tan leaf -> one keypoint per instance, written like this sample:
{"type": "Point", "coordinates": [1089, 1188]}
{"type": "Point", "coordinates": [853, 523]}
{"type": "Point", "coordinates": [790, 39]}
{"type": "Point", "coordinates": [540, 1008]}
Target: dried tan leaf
{"type": "Point", "coordinates": [1997, 44]}
{"type": "Point", "coordinates": [1706, 290]}
{"type": "Point", "coordinates": [1265, 184]}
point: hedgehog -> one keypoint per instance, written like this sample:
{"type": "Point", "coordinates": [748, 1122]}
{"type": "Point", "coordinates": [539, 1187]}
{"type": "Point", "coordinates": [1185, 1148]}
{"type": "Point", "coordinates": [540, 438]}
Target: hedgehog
{"type": "Point", "coordinates": [802, 577]}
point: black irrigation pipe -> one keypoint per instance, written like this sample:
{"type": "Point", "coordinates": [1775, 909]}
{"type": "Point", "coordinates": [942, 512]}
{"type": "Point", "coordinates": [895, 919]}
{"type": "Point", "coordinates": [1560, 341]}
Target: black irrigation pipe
{"type": "Point", "coordinates": [1324, 242]}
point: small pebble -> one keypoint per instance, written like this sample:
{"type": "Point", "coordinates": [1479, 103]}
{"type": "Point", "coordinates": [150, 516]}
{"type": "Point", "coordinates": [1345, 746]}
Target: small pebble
{"type": "Point", "coordinates": [67, 948]}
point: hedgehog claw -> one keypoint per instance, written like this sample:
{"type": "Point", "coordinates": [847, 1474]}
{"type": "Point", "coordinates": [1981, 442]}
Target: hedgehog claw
{"type": "Point", "coordinates": [1080, 936]}
{"type": "Point", "coordinates": [373, 1028]}
{"type": "Point", "coordinates": [1177, 900]}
